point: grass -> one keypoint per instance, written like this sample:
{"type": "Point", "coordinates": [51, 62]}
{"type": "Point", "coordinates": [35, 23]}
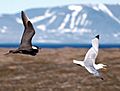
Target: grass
{"type": "Point", "coordinates": [53, 70]}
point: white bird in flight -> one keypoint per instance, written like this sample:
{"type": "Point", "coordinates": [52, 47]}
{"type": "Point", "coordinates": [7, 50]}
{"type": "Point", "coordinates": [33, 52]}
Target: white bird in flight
{"type": "Point", "coordinates": [89, 60]}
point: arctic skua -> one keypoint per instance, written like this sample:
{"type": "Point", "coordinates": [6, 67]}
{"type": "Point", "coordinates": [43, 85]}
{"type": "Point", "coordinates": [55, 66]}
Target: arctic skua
{"type": "Point", "coordinates": [26, 46]}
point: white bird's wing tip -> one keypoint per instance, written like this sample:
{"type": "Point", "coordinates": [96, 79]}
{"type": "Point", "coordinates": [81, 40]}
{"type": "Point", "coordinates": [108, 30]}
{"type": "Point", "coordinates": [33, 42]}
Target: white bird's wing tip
{"type": "Point", "coordinates": [78, 62]}
{"type": "Point", "coordinates": [75, 61]}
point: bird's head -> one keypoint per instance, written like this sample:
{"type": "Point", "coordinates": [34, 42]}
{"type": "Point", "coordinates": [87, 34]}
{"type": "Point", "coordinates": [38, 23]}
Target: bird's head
{"type": "Point", "coordinates": [97, 36]}
{"type": "Point", "coordinates": [95, 42]}
{"type": "Point", "coordinates": [101, 66]}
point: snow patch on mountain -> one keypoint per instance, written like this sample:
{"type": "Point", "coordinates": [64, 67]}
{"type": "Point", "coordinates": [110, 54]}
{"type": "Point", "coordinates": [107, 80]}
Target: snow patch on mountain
{"type": "Point", "coordinates": [64, 22]}
{"type": "Point", "coordinates": [107, 11]}
{"type": "Point", "coordinates": [39, 18]}
{"type": "Point", "coordinates": [95, 8]}
{"type": "Point", "coordinates": [41, 27]}
{"type": "Point", "coordinates": [78, 20]}
{"type": "Point", "coordinates": [52, 19]}
{"type": "Point", "coordinates": [84, 16]}
{"type": "Point", "coordinates": [3, 29]}
{"type": "Point", "coordinates": [116, 35]}
{"type": "Point", "coordinates": [76, 9]}
{"type": "Point", "coordinates": [84, 30]}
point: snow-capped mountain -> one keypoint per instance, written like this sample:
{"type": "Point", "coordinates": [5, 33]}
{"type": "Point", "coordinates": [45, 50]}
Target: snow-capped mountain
{"type": "Point", "coordinates": [65, 24]}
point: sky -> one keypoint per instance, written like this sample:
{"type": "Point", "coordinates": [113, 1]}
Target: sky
{"type": "Point", "coordinates": [14, 6]}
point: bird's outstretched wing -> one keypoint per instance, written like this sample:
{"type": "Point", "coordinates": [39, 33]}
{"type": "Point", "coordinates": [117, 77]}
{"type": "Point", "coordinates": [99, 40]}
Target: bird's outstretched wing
{"type": "Point", "coordinates": [80, 63]}
{"type": "Point", "coordinates": [91, 54]}
{"type": "Point", "coordinates": [93, 51]}
{"type": "Point", "coordinates": [29, 32]}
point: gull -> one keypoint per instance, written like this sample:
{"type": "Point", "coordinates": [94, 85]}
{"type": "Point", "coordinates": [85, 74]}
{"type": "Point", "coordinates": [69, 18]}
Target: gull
{"type": "Point", "coordinates": [89, 60]}
{"type": "Point", "coordinates": [25, 46]}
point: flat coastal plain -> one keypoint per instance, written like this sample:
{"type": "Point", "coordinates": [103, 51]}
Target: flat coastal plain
{"type": "Point", "coordinates": [53, 70]}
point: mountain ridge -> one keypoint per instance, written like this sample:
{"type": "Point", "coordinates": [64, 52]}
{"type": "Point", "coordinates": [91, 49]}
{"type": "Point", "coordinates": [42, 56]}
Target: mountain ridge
{"type": "Point", "coordinates": [65, 24]}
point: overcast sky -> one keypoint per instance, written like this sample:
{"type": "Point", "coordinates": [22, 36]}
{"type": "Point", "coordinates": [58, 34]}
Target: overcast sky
{"type": "Point", "coordinates": [13, 6]}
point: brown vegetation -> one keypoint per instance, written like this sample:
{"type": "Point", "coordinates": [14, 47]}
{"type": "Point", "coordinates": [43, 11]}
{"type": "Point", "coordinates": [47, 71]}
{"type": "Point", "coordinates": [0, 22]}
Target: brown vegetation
{"type": "Point", "coordinates": [53, 70]}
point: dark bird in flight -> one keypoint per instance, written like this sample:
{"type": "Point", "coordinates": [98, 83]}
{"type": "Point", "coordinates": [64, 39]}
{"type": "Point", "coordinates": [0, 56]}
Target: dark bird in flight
{"type": "Point", "coordinates": [25, 46]}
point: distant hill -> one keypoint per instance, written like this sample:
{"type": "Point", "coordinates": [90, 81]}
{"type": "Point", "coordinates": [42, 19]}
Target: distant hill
{"type": "Point", "coordinates": [65, 24]}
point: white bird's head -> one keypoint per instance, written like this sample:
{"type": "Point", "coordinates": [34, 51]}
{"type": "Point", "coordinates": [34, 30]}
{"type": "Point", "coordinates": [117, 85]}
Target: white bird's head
{"type": "Point", "coordinates": [95, 42]}
{"type": "Point", "coordinates": [101, 66]}
{"type": "Point", "coordinates": [97, 36]}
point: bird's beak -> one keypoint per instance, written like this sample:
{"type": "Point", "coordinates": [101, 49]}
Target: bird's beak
{"type": "Point", "coordinates": [105, 69]}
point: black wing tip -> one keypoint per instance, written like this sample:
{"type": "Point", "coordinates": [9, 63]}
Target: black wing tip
{"type": "Point", "coordinates": [22, 13]}
{"type": "Point", "coordinates": [97, 36]}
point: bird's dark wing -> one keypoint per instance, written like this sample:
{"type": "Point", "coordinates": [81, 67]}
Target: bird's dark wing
{"type": "Point", "coordinates": [29, 32]}
{"type": "Point", "coordinates": [24, 19]}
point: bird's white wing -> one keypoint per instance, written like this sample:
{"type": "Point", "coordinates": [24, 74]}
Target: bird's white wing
{"type": "Point", "coordinates": [93, 51]}
{"type": "Point", "coordinates": [78, 62]}
{"type": "Point", "coordinates": [91, 54]}
{"type": "Point", "coordinates": [89, 61]}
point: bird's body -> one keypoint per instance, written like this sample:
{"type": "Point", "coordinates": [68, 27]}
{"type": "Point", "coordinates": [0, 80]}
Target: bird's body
{"type": "Point", "coordinates": [89, 60]}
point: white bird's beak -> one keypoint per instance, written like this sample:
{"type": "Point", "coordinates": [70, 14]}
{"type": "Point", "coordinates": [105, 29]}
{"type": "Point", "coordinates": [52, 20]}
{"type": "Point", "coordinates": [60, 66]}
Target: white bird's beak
{"type": "Point", "coordinates": [104, 65]}
{"type": "Point", "coordinates": [105, 69]}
